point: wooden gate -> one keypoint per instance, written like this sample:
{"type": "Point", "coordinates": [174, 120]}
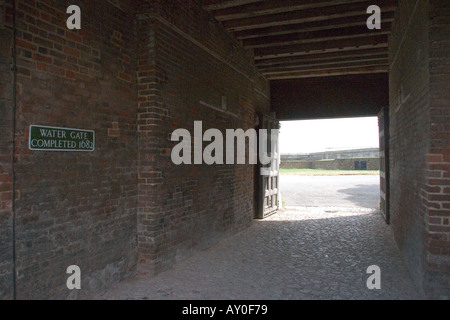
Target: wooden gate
{"type": "Point", "coordinates": [383, 123]}
{"type": "Point", "coordinates": [269, 175]}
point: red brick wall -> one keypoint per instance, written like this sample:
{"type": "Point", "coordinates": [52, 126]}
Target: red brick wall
{"type": "Point", "coordinates": [75, 208]}
{"type": "Point", "coordinates": [437, 234]}
{"type": "Point", "coordinates": [6, 116]}
{"type": "Point", "coordinates": [186, 58]}
{"type": "Point", "coordinates": [80, 208]}
{"type": "Point", "coordinates": [409, 131]}
{"type": "Point", "coordinates": [419, 142]}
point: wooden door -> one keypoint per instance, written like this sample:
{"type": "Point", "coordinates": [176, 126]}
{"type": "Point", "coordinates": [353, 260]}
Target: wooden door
{"type": "Point", "coordinates": [269, 174]}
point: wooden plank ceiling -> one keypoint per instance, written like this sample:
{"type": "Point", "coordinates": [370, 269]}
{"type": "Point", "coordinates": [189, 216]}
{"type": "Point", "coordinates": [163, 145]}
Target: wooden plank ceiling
{"type": "Point", "coordinates": [308, 38]}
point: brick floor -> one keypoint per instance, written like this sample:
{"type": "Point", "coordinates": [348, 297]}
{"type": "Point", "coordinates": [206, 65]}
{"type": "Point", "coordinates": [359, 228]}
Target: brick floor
{"type": "Point", "coordinates": [300, 253]}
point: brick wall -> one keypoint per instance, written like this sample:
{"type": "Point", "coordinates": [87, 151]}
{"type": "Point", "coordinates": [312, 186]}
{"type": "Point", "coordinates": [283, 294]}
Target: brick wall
{"type": "Point", "coordinates": [409, 130]}
{"type": "Point", "coordinates": [419, 142]}
{"type": "Point", "coordinates": [186, 58]}
{"type": "Point", "coordinates": [437, 193]}
{"type": "Point", "coordinates": [75, 208]}
{"type": "Point", "coordinates": [80, 208]}
{"type": "Point", "coordinates": [6, 110]}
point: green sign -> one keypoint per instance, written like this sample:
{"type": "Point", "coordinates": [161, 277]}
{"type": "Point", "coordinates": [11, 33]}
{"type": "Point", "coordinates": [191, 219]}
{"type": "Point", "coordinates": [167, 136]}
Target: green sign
{"type": "Point", "coordinates": [44, 138]}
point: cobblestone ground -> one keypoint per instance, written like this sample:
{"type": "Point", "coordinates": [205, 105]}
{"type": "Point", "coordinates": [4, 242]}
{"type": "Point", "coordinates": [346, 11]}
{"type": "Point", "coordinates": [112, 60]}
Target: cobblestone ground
{"type": "Point", "coordinates": [300, 253]}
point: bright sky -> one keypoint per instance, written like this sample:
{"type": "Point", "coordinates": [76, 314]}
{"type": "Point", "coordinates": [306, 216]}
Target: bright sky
{"type": "Point", "coordinates": [330, 134]}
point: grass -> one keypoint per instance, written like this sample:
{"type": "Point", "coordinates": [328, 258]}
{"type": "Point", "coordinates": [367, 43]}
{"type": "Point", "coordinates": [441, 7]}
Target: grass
{"type": "Point", "coordinates": [322, 172]}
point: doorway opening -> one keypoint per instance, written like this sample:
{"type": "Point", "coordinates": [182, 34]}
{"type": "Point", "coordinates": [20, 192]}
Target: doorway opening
{"type": "Point", "coordinates": [332, 163]}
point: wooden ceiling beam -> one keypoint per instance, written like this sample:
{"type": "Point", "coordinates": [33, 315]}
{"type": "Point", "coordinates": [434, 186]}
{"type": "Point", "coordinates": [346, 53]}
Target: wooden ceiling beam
{"type": "Point", "coordinates": [329, 72]}
{"type": "Point", "coordinates": [301, 65]}
{"type": "Point", "coordinates": [330, 66]}
{"type": "Point", "coordinates": [308, 38]}
{"type": "Point", "coordinates": [359, 20]}
{"type": "Point", "coordinates": [273, 7]}
{"type": "Point", "coordinates": [325, 46]}
{"type": "Point", "coordinates": [210, 5]}
{"type": "Point", "coordinates": [307, 15]}
{"type": "Point", "coordinates": [315, 36]}
{"type": "Point", "coordinates": [323, 57]}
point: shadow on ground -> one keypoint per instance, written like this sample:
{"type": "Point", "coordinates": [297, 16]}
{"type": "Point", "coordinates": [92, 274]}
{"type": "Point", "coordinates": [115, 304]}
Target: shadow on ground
{"type": "Point", "coordinates": [360, 194]}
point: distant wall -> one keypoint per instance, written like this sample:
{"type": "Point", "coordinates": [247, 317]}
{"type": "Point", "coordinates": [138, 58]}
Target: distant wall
{"type": "Point", "coordinates": [338, 164]}
{"type": "Point", "coordinates": [327, 155]}
{"type": "Point", "coordinates": [333, 160]}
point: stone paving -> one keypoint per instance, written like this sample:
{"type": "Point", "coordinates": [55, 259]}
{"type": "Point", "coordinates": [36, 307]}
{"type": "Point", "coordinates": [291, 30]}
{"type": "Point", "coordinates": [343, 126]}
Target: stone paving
{"type": "Point", "coordinates": [298, 253]}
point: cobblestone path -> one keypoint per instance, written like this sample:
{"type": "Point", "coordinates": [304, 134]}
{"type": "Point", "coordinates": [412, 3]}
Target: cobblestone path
{"type": "Point", "coordinates": [299, 253]}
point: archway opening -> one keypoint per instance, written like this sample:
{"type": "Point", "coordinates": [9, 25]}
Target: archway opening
{"type": "Point", "coordinates": [332, 163]}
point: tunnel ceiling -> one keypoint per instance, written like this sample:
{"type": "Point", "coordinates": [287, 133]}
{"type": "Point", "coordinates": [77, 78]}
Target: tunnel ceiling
{"type": "Point", "coordinates": [294, 39]}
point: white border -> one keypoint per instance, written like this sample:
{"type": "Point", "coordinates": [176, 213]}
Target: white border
{"type": "Point", "coordinates": [60, 150]}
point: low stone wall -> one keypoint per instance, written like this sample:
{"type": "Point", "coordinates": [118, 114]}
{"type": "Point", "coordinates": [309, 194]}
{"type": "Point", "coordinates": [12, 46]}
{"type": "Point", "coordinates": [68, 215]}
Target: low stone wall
{"type": "Point", "coordinates": [367, 153]}
{"type": "Point", "coordinates": [338, 164]}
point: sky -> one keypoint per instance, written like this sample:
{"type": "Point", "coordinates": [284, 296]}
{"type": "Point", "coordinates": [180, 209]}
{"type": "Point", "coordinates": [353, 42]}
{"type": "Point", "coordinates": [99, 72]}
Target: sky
{"type": "Point", "coordinates": [331, 134]}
